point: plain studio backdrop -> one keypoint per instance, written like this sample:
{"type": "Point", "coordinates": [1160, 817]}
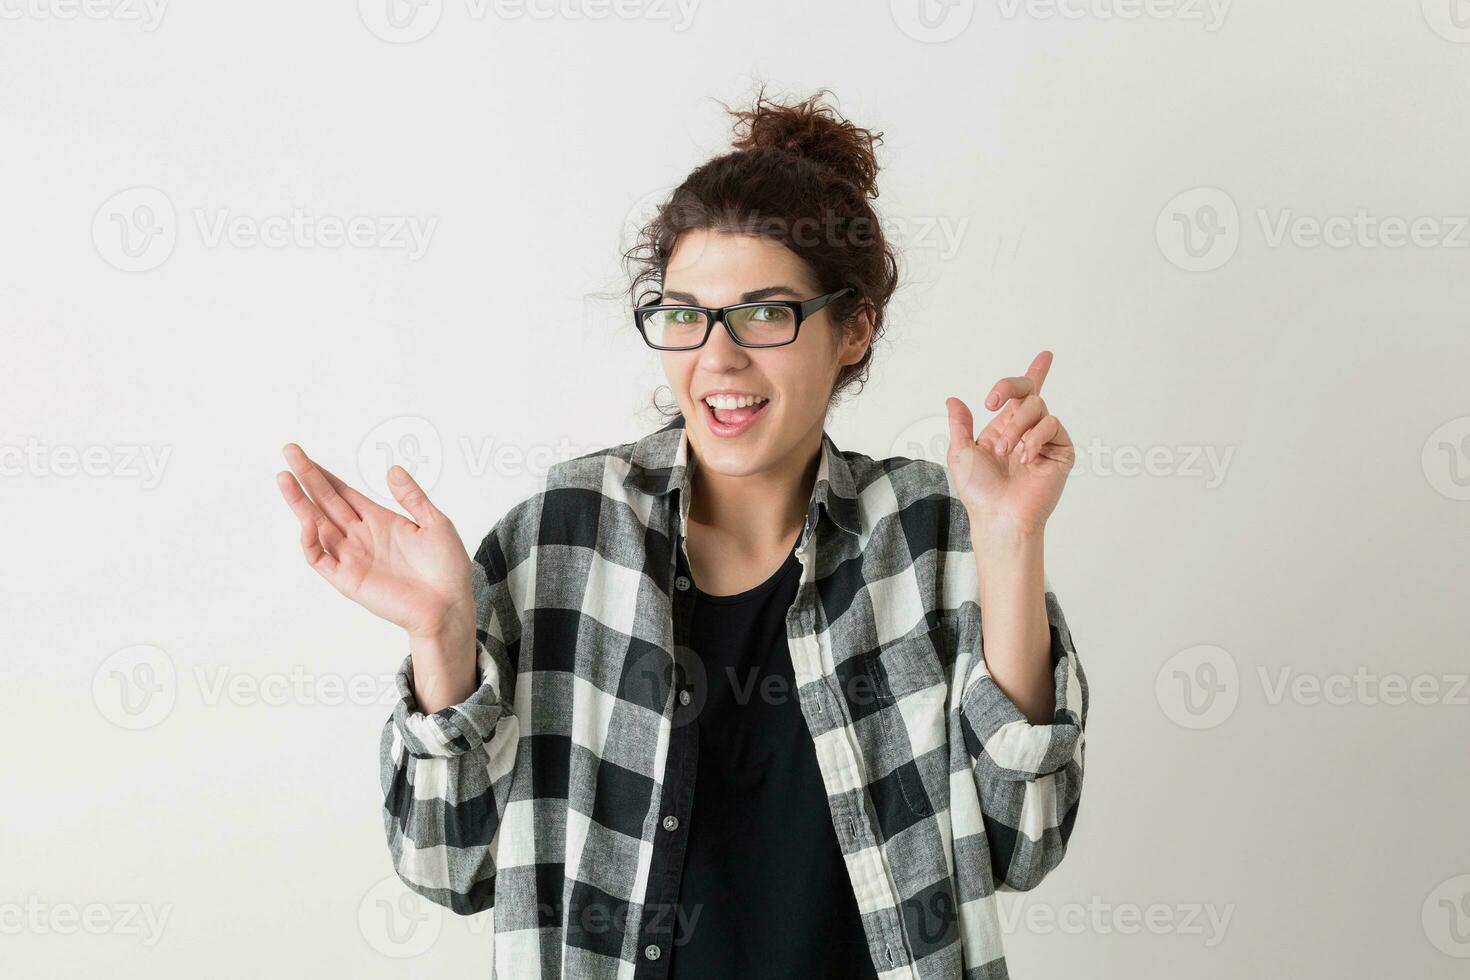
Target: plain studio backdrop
{"type": "Point", "coordinates": [392, 232]}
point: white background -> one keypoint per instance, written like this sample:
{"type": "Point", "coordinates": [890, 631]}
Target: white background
{"type": "Point", "coordinates": [1033, 167]}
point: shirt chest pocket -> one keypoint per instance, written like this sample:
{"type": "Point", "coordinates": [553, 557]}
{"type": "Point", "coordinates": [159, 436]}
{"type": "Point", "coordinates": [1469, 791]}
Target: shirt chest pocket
{"type": "Point", "coordinates": [900, 721]}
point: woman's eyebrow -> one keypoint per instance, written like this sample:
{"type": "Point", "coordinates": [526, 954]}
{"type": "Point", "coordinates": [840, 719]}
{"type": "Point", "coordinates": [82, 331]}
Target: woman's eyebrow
{"type": "Point", "coordinates": [750, 297]}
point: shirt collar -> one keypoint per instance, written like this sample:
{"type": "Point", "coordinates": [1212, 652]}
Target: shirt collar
{"type": "Point", "coordinates": [660, 464]}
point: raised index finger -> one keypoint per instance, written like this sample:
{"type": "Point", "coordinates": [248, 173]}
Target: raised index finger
{"type": "Point", "coordinates": [1022, 385]}
{"type": "Point", "coordinates": [1040, 365]}
{"type": "Point", "coordinates": [1007, 388]}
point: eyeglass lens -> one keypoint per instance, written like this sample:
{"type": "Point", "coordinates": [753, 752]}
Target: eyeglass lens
{"type": "Point", "coordinates": [685, 327]}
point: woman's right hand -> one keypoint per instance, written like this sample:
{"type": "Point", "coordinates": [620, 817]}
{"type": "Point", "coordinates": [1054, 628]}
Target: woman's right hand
{"type": "Point", "coordinates": [414, 573]}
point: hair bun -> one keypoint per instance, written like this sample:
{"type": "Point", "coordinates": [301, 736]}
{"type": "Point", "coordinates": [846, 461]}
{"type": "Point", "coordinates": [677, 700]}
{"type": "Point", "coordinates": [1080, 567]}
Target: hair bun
{"type": "Point", "coordinates": [815, 132]}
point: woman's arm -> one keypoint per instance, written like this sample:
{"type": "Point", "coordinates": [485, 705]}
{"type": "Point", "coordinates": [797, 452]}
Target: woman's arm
{"type": "Point", "coordinates": [1017, 640]}
{"type": "Point", "coordinates": [1027, 764]}
{"type": "Point", "coordinates": [443, 666]}
{"type": "Point", "coordinates": [1023, 701]}
{"type": "Point", "coordinates": [447, 751]}
{"type": "Point", "coordinates": [446, 774]}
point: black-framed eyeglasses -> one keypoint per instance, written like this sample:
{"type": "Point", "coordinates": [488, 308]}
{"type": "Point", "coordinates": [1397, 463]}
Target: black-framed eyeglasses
{"type": "Point", "coordinates": [767, 323]}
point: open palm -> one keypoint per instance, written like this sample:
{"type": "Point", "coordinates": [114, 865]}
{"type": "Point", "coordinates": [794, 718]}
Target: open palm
{"type": "Point", "coordinates": [413, 573]}
{"type": "Point", "coordinates": [1011, 475]}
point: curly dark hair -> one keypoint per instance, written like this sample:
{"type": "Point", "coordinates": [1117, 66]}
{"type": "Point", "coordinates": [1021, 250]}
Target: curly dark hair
{"type": "Point", "coordinates": [798, 174]}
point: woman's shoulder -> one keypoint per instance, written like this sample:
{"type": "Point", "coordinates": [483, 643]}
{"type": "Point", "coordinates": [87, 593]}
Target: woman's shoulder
{"type": "Point", "coordinates": [896, 482]}
{"type": "Point", "coordinates": [568, 502]}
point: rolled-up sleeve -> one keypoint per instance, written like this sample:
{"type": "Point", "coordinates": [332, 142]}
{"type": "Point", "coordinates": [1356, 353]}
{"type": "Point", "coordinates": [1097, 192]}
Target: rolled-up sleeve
{"type": "Point", "coordinates": [458, 728]}
{"type": "Point", "coordinates": [1029, 776]}
{"type": "Point", "coordinates": [446, 776]}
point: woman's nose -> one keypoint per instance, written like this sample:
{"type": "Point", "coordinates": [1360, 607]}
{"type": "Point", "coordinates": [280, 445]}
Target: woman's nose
{"type": "Point", "coordinates": [721, 347]}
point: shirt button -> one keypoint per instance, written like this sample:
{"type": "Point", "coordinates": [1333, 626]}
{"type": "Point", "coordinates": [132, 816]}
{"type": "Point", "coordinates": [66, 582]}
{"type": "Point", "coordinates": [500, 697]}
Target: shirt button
{"type": "Point", "coordinates": [682, 583]}
{"type": "Point", "coordinates": [652, 952]}
{"type": "Point", "coordinates": [671, 822]}
{"type": "Point", "coordinates": [684, 697]}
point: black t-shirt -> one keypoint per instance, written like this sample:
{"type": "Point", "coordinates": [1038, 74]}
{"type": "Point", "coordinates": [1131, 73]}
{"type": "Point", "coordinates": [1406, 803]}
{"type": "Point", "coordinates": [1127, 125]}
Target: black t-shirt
{"type": "Point", "coordinates": [764, 890]}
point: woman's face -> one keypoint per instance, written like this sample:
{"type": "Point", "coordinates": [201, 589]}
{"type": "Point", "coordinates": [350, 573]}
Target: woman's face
{"type": "Point", "coordinates": [712, 268]}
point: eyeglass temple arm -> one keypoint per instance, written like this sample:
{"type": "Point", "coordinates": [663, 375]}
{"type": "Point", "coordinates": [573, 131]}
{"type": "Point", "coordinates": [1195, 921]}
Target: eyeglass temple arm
{"type": "Point", "coordinates": [813, 305]}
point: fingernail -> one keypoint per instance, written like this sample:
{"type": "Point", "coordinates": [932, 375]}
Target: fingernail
{"type": "Point", "coordinates": [1001, 446]}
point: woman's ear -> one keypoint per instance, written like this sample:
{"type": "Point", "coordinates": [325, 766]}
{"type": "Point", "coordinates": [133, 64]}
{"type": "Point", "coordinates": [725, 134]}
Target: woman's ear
{"type": "Point", "coordinates": [856, 335]}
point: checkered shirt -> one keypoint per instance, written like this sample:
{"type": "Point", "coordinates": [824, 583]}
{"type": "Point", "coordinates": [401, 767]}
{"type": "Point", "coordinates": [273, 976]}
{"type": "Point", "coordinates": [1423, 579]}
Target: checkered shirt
{"type": "Point", "coordinates": [539, 795]}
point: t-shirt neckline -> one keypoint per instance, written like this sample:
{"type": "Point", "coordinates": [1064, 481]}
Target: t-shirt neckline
{"type": "Point", "coordinates": [755, 591]}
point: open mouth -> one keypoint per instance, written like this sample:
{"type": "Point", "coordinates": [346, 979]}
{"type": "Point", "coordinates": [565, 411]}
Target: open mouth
{"type": "Point", "coordinates": [732, 421]}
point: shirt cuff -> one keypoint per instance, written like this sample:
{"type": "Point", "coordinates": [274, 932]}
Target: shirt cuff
{"type": "Point", "coordinates": [453, 730]}
{"type": "Point", "coordinates": [1003, 742]}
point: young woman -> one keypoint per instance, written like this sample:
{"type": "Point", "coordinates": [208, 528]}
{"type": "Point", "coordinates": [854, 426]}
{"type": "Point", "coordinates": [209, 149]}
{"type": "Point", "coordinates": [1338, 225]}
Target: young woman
{"type": "Point", "coordinates": [713, 703]}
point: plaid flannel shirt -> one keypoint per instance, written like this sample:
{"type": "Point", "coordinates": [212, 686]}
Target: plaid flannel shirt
{"type": "Point", "coordinates": [539, 794]}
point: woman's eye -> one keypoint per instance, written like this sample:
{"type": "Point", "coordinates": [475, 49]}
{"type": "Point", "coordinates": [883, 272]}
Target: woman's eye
{"type": "Point", "coordinates": [769, 313]}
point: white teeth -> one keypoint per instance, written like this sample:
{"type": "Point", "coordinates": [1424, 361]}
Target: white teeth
{"type": "Point", "coordinates": [733, 401]}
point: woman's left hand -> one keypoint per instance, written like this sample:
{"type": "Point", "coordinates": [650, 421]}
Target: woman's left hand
{"type": "Point", "coordinates": [1011, 475]}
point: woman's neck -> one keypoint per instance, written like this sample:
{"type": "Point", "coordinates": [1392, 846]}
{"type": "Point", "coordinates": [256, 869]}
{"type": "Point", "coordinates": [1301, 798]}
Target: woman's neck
{"type": "Point", "coordinates": [762, 512]}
